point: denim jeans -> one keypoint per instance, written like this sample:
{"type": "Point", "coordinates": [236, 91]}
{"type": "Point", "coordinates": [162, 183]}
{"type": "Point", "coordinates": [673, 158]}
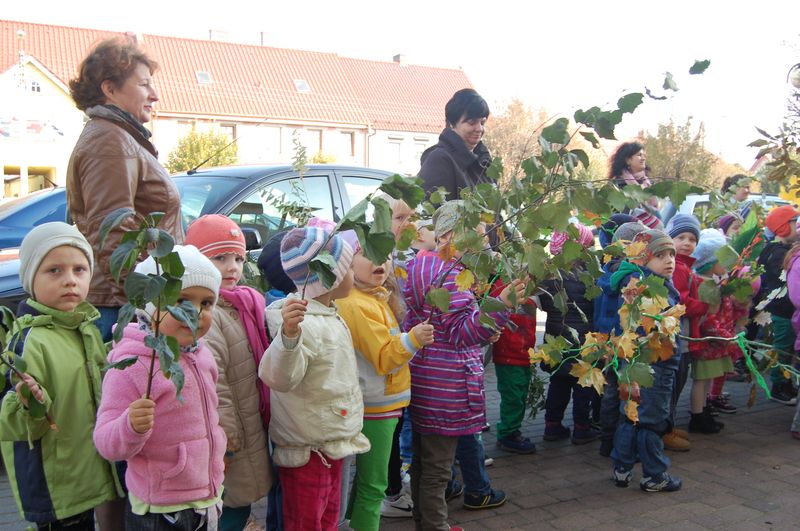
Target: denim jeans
{"type": "Point", "coordinates": [108, 318]}
{"type": "Point", "coordinates": [609, 407]}
{"type": "Point", "coordinates": [470, 456]}
{"type": "Point", "coordinates": [405, 438]}
{"type": "Point", "coordinates": [558, 394]}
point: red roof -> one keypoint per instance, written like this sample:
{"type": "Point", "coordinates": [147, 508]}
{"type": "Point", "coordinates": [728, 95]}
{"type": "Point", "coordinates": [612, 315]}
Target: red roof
{"type": "Point", "coordinates": [259, 81]}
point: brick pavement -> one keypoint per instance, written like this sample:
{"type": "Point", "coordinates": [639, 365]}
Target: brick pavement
{"type": "Point", "coordinates": [746, 478]}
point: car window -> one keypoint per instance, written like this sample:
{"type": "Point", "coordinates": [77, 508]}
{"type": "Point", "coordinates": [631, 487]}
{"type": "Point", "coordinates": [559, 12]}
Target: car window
{"type": "Point", "coordinates": [199, 193]}
{"type": "Point", "coordinates": [357, 188]}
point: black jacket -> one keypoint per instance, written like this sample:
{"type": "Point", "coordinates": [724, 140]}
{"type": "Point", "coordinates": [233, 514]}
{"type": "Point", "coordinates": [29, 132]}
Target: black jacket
{"type": "Point", "coordinates": [772, 259]}
{"type": "Point", "coordinates": [557, 322]}
{"type": "Point", "coordinates": [451, 165]}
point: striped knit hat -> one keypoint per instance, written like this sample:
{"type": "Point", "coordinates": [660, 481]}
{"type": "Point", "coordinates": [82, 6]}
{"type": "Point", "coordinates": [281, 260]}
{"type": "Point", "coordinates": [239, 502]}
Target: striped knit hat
{"type": "Point", "coordinates": [214, 235]}
{"type": "Point", "coordinates": [681, 223]}
{"type": "Point", "coordinates": [299, 246]}
{"type": "Point", "coordinates": [585, 238]}
{"type": "Point", "coordinates": [648, 219]}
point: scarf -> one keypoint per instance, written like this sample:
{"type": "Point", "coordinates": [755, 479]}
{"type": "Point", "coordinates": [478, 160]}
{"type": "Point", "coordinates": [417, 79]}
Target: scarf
{"type": "Point", "coordinates": [251, 305]}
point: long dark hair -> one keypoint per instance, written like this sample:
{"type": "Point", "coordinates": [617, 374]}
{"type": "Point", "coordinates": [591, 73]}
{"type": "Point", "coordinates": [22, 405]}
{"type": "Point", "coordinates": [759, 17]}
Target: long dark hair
{"type": "Point", "coordinates": [619, 160]}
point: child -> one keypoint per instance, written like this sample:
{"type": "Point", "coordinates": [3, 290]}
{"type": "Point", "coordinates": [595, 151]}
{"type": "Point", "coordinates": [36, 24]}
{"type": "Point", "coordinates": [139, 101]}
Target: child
{"type": "Point", "coordinates": [442, 413]}
{"type": "Point", "coordinates": [792, 265]}
{"type": "Point", "coordinates": [315, 400]}
{"type": "Point", "coordinates": [684, 229]}
{"type": "Point", "coordinates": [237, 339]}
{"type": "Point", "coordinates": [383, 353]}
{"type": "Point", "coordinates": [174, 449]}
{"type": "Point", "coordinates": [57, 487]}
{"type": "Point", "coordinates": [579, 316]}
{"type": "Point", "coordinates": [643, 440]}
{"type": "Point", "coordinates": [782, 221]}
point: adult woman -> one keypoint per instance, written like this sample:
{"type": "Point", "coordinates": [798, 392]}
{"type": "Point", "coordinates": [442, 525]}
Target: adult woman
{"type": "Point", "coordinates": [459, 160]}
{"type": "Point", "coordinates": [628, 164]}
{"type": "Point", "coordinates": [113, 164]}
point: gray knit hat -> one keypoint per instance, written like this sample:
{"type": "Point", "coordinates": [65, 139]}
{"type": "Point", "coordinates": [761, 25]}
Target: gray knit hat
{"type": "Point", "coordinates": [627, 231]}
{"type": "Point", "coordinates": [680, 223]}
{"type": "Point", "coordinates": [41, 240]}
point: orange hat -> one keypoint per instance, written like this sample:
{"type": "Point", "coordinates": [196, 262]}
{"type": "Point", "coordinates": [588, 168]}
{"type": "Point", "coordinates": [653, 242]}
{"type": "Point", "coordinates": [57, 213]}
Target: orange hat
{"type": "Point", "coordinates": [779, 218]}
{"type": "Point", "coordinates": [214, 235]}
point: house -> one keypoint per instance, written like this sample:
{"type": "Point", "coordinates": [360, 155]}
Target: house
{"type": "Point", "coordinates": [353, 111]}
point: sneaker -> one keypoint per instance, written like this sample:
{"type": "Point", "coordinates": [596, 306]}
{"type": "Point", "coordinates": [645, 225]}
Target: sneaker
{"type": "Point", "coordinates": [555, 431]}
{"type": "Point", "coordinates": [475, 502]}
{"type": "Point", "coordinates": [782, 394]}
{"type": "Point", "coordinates": [399, 506]}
{"type": "Point", "coordinates": [722, 405]}
{"type": "Point", "coordinates": [622, 478]}
{"type": "Point", "coordinates": [454, 489]}
{"type": "Point", "coordinates": [487, 462]}
{"type": "Point", "coordinates": [675, 443]}
{"type": "Point", "coordinates": [667, 483]}
{"type": "Point", "coordinates": [486, 427]}
{"type": "Point", "coordinates": [517, 444]}
{"type": "Point", "coordinates": [606, 445]}
{"type": "Point", "coordinates": [583, 434]}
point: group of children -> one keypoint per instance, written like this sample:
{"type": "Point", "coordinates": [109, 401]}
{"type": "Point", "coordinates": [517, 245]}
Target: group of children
{"type": "Point", "coordinates": [278, 397]}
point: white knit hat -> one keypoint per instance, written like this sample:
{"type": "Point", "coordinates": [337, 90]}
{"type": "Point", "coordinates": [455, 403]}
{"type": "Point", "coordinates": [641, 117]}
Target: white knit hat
{"type": "Point", "coordinates": [41, 240]}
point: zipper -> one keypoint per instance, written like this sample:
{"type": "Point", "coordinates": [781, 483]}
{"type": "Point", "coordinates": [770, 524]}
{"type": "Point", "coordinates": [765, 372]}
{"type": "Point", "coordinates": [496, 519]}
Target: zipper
{"type": "Point", "coordinates": [193, 363]}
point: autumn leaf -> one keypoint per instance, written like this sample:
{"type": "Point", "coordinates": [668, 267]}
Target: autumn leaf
{"type": "Point", "coordinates": [676, 311]}
{"type": "Point", "coordinates": [487, 217]}
{"type": "Point", "coordinates": [588, 376]}
{"type": "Point", "coordinates": [751, 399]}
{"type": "Point", "coordinates": [593, 342]}
{"type": "Point", "coordinates": [464, 280]}
{"type": "Point", "coordinates": [632, 411]}
{"type": "Point", "coordinates": [400, 273]}
{"type": "Point", "coordinates": [633, 289]}
{"type": "Point", "coordinates": [661, 348]}
{"type": "Point", "coordinates": [648, 323]}
{"type": "Point", "coordinates": [669, 325]}
{"type": "Point", "coordinates": [762, 318]}
{"type": "Point", "coordinates": [653, 305]}
{"type": "Point", "coordinates": [607, 258]}
{"type": "Point", "coordinates": [636, 250]}
{"type": "Point", "coordinates": [627, 343]}
{"type": "Point", "coordinates": [537, 355]}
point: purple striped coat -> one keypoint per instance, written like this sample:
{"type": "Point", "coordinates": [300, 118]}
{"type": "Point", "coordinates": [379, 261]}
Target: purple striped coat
{"type": "Point", "coordinates": [447, 396]}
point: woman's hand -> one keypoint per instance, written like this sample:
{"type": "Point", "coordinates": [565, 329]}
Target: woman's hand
{"type": "Point", "coordinates": [517, 288]}
{"type": "Point", "coordinates": [423, 332]}
{"type": "Point", "coordinates": [293, 312]}
{"type": "Point", "coordinates": [36, 391]}
{"type": "Point", "coordinates": [141, 415]}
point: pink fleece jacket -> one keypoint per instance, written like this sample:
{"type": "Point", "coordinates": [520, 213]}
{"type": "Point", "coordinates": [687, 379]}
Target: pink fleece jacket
{"type": "Point", "coordinates": [180, 460]}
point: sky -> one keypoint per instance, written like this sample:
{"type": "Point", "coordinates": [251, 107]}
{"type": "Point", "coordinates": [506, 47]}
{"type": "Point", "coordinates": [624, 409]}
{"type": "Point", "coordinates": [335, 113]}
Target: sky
{"type": "Point", "coordinates": [559, 56]}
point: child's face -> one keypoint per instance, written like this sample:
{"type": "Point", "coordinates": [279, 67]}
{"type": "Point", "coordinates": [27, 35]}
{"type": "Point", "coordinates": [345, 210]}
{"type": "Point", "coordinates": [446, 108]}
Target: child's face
{"type": "Point", "coordinates": [792, 237]}
{"type": "Point", "coordinates": [203, 301]}
{"type": "Point", "coordinates": [425, 239]}
{"type": "Point", "coordinates": [368, 273]}
{"type": "Point", "coordinates": [685, 243]}
{"type": "Point", "coordinates": [230, 266]}
{"type": "Point", "coordinates": [343, 289]}
{"type": "Point", "coordinates": [63, 278]}
{"type": "Point", "coordinates": [662, 263]}
{"type": "Point", "coordinates": [401, 217]}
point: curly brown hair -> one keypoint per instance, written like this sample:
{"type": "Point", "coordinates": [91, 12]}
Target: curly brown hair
{"type": "Point", "coordinates": [113, 60]}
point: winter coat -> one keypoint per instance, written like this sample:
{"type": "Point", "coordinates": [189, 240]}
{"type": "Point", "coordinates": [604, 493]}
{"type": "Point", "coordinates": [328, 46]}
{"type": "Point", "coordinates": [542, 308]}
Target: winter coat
{"type": "Point", "coordinates": [447, 394]}
{"type": "Point", "coordinates": [450, 164]}
{"type": "Point", "coordinates": [248, 475]}
{"type": "Point", "coordinates": [58, 474]}
{"type": "Point", "coordinates": [180, 460]}
{"type": "Point", "coordinates": [315, 399]}
{"type": "Point", "coordinates": [112, 166]}
{"type": "Point", "coordinates": [687, 282]}
{"type": "Point", "coordinates": [793, 286]}
{"type": "Point", "coordinates": [772, 259]}
{"type": "Point", "coordinates": [606, 305]}
{"type": "Point", "coordinates": [382, 351]}
{"type": "Point", "coordinates": [514, 343]}
{"type": "Point", "coordinates": [719, 324]}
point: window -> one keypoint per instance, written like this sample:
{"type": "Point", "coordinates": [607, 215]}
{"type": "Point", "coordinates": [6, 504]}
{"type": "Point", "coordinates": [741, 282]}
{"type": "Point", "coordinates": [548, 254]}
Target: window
{"type": "Point", "coordinates": [228, 130]}
{"type": "Point", "coordinates": [349, 143]}
{"type": "Point", "coordinates": [35, 86]}
{"type": "Point", "coordinates": [395, 152]}
{"type": "Point", "coordinates": [419, 149]}
{"type": "Point", "coordinates": [300, 85]}
{"type": "Point", "coordinates": [357, 188]}
{"type": "Point", "coordinates": [204, 78]}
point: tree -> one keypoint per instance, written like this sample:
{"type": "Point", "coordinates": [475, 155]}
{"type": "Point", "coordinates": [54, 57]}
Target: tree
{"type": "Point", "coordinates": [676, 152]}
{"type": "Point", "coordinates": [209, 147]}
{"type": "Point", "coordinates": [513, 135]}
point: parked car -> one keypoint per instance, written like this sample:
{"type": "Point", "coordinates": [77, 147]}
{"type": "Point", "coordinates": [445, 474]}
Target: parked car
{"type": "Point", "coordinates": [249, 195]}
{"type": "Point", "coordinates": [699, 204]}
{"type": "Point", "coordinates": [18, 216]}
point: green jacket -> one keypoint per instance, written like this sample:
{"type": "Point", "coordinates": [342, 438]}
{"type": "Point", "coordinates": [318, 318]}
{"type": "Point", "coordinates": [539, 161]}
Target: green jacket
{"type": "Point", "coordinates": [57, 473]}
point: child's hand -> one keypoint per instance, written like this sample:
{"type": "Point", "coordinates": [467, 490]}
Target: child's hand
{"type": "Point", "coordinates": [142, 414]}
{"type": "Point", "coordinates": [495, 338]}
{"type": "Point", "coordinates": [423, 332]}
{"type": "Point", "coordinates": [36, 391]}
{"type": "Point", "coordinates": [629, 392]}
{"type": "Point", "coordinates": [293, 313]}
{"type": "Point", "coordinates": [517, 288]}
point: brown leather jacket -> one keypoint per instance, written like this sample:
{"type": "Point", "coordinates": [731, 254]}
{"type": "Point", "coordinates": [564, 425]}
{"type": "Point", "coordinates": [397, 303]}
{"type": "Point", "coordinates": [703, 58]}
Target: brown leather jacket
{"type": "Point", "coordinates": [112, 166]}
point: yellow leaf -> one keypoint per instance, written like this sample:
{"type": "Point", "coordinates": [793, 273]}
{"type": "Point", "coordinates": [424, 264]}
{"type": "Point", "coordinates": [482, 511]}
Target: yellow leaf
{"type": "Point", "coordinates": [487, 217]}
{"type": "Point", "coordinates": [400, 273]}
{"type": "Point", "coordinates": [607, 258]}
{"type": "Point", "coordinates": [654, 305]}
{"type": "Point", "coordinates": [593, 342]}
{"type": "Point", "coordinates": [632, 411]}
{"type": "Point", "coordinates": [669, 325]}
{"type": "Point", "coordinates": [537, 355]}
{"type": "Point", "coordinates": [661, 348]}
{"type": "Point", "coordinates": [787, 374]}
{"type": "Point", "coordinates": [632, 290]}
{"type": "Point", "coordinates": [588, 376]}
{"type": "Point", "coordinates": [635, 249]}
{"type": "Point", "coordinates": [628, 343]}
{"type": "Point", "coordinates": [676, 311]}
{"type": "Point", "coordinates": [751, 400]}
{"type": "Point", "coordinates": [464, 280]}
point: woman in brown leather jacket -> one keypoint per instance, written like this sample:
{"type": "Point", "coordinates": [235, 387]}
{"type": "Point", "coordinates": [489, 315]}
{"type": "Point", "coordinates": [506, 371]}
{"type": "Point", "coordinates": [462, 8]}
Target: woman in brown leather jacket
{"type": "Point", "coordinates": [114, 164]}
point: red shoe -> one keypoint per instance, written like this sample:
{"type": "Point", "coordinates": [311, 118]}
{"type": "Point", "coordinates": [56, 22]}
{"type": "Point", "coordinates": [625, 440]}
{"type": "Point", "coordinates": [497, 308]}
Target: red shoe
{"type": "Point", "coordinates": [456, 528]}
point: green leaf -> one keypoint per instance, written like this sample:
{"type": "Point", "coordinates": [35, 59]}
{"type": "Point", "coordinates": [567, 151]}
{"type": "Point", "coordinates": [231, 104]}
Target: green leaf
{"type": "Point", "coordinates": [172, 291]}
{"type": "Point", "coordinates": [113, 220]}
{"type": "Point", "coordinates": [164, 244]}
{"type": "Point", "coordinates": [655, 286]}
{"type": "Point", "coordinates": [669, 83]}
{"type": "Point", "coordinates": [727, 257]}
{"type": "Point", "coordinates": [36, 409]}
{"type": "Point", "coordinates": [406, 188]}
{"type": "Point", "coordinates": [638, 372]}
{"type": "Point", "coordinates": [407, 237]}
{"type": "Point", "coordinates": [571, 251]}
{"type": "Point", "coordinates": [469, 241]}
{"type": "Point", "coordinates": [185, 313]}
{"type": "Point", "coordinates": [492, 305]}
{"type": "Point", "coordinates": [758, 143]}
{"type": "Point", "coordinates": [381, 217]}
{"type": "Point", "coordinates": [653, 96]}
{"type": "Point", "coordinates": [121, 364]}
{"type": "Point", "coordinates": [174, 347]}
{"type": "Point", "coordinates": [355, 215]}
{"type": "Point", "coordinates": [487, 321]}
{"type": "Point", "coordinates": [178, 379]}
{"type": "Point", "coordinates": [629, 102]}
{"type": "Point", "coordinates": [560, 301]}
{"type": "Point", "coordinates": [699, 67]}
{"type": "Point", "coordinates": [709, 292]}
{"type": "Point", "coordinates": [376, 247]}
{"type": "Point", "coordinates": [152, 219]}
{"type": "Point", "coordinates": [676, 191]}
{"type": "Point", "coordinates": [582, 157]}
{"type": "Point", "coordinates": [323, 266]}
{"type": "Point", "coordinates": [591, 138]}
{"type": "Point", "coordinates": [123, 258]}
{"type": "Point", "coordinates": [171, 265]}
{"type": "Point", "coordinates": [557, 132]}
{"type": "Point", "coordinates": [20, 364]}
{"type": "Point", "coordinates": [126, 314]}
{"type": "Point", "coordinates": [439, 298]}
{"type": "Point", "coordinates": [495, 169]}
{"type": "Point", "coordinates": [536, 259]}
{"type": "Point", "coordinates": [141, 289]}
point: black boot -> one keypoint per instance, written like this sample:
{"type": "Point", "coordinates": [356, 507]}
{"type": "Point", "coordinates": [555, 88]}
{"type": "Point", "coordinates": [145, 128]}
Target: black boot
{"type": "Point", "coordinates": [707, 412]}
{"type": "Point", "coordinates": [702, 423]}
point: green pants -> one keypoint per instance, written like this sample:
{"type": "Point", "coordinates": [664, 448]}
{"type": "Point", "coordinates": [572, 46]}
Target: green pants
{"type": "Point", "coordinates": [512, 384]}
{"type": "Point", "coordinates": [783, 336]}
{"type": "Point", "coordinates": [372, 475]}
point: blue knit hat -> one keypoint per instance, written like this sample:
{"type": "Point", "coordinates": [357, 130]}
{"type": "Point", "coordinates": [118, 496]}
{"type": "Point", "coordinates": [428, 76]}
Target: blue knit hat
{"type": "Point", "coordinates": [299, 246]}
{"type": "Point", "coordinates": [681, 223]}
{"type": "Point", "coordinates": [705, 254]}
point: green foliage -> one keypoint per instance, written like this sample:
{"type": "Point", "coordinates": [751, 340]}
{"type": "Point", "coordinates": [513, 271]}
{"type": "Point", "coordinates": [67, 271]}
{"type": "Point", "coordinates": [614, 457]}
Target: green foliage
{"type": "Point", "coordinates": [211, 148]}
{"type": "Point", "coordinates": [678, 152]}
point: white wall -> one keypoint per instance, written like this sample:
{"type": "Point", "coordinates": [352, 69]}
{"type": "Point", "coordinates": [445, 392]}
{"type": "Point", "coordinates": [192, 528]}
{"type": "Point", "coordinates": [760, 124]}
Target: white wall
{"type": "Point", "coordinates": [399, 150]}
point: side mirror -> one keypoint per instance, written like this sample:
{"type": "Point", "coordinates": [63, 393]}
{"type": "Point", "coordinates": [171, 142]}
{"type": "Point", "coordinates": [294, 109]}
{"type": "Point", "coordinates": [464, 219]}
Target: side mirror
{"type": "Point", "coordinates": [252, 238]}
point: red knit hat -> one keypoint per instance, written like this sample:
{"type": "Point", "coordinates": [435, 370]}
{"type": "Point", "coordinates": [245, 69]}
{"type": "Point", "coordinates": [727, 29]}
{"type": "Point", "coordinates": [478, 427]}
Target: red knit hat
{"type": "Point", "coordinates": [214, 235]}
{"type": "Point", "coordinates": [778, 219]}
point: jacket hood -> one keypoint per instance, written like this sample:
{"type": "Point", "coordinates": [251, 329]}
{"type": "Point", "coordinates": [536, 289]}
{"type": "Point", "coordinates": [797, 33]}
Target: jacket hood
{"type": "Point", "coordinates": [41, 314]}
{"type": "Point", "coordinates": [132, 343]}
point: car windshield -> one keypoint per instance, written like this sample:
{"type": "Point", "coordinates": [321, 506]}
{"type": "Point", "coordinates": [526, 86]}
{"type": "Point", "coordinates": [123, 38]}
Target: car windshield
{"type": "Point", "coordinates": [197, 193]}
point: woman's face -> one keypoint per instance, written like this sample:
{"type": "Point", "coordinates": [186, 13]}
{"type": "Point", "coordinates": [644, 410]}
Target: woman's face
{"type": "Point", "coordinates": [637, 162]}
{"type": "Point", "coordinates": [470, 131]}
{"type": "Point", "coordinates": [136, 95]}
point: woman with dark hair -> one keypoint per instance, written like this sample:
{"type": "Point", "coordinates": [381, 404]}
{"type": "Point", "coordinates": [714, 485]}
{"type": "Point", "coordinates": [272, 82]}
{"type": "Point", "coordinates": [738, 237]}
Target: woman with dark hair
{"type": "Point", "coordinates": [459, 160]}
{"type": "Point", "coordinates": [628, 165]}
{"type": "Point", "coordinates": [113, 164]}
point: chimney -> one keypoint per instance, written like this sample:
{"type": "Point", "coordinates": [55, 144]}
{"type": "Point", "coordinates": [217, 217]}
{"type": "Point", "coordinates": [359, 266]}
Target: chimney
{"type": "Point", "coordinates": [400, 59]}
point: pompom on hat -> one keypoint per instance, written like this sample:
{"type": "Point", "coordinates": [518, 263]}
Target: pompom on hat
{"type": "Point", "coordinates": [215, 234]}
{"type": "Point", "coordinates": [779, 218]}
{"type": "Point", "coordinates": [41, 240]}
{"type": "Point", "coordinates": [299, 246]}
{"type": "Point", "coordinates": [680, 223]}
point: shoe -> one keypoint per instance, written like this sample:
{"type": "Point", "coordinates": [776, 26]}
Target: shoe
{"type": "Point", "coordinates": [703, 423]}
{"type": "Point", "coordinates": [796, 435]}
{"type": "Point", "coordinates": [475, 502]}
{"type": "Point", "coordinates": [675, 443]}
{"type": "Point", "coordinates": [456, 528]}
{"type": "Point", "coordinates": [399, 506]}
{"type": "Point", "coordinates": [708, 411]}
{"type": "Point", "coordinates": [454, 489]}
{"type": "Point", "coordinates": [781, 393]}
{"type": "Point", "coordinates": [555, 431]}
{"type": "Point", "coordinates": [583, 434]}
{"type": "Point", "coordinates": [722, 405]}
{"type": "Point", "coordinates": [606, 445]}
{"type": "Point", "coordinates": [622, 478]}
{"type": "Point", "coordinates": [486, 427]}
{"type": "Point", "coordinates": [683, 434]}
{"type": "Point", "coordinates": [667, 483]}
{"type": "Point", "coordinates": [487, 462]}
{"type": "Point", "coordinates": [517, 444]}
